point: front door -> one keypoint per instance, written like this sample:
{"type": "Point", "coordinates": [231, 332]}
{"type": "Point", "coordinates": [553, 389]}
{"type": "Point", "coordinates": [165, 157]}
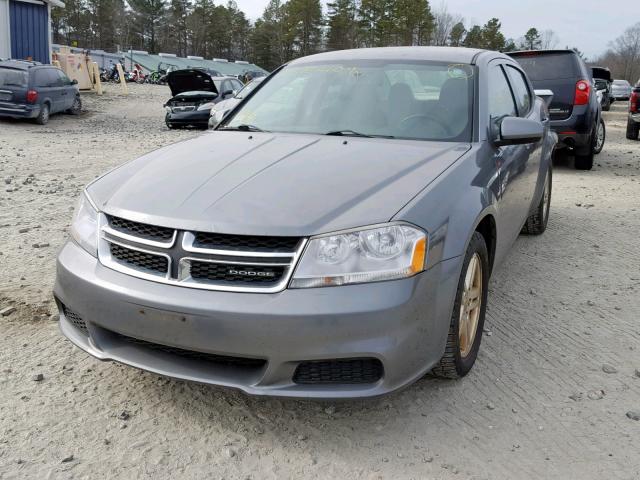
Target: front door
{"type": "Point", "coordinates": [514, 196]}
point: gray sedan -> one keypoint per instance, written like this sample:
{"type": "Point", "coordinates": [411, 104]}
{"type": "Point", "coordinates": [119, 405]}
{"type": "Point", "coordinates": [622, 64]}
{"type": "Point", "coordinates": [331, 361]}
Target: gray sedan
{"type": "Point", "coordinates": [333, 237]}
{"type": "Point", "coordinates": [621, 89]}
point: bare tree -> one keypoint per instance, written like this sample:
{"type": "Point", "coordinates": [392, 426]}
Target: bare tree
{"type": "Point", "coordinates": [627, 50]}
{"type": "Point", "coordinates": [444, 22]}
{"type": "Point", "coordinates": [548, 40]}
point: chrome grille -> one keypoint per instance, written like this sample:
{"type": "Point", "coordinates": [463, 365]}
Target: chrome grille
{"type": "Point", "coordinates": [205, 260]}
{"type": "Point", "coordinates": [138, 259]}
{"type": "Point", "coordinates": [149, 232]}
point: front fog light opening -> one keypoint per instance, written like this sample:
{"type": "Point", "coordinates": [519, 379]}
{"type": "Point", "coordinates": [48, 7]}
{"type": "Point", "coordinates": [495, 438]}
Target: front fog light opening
{"type": "Point", "coordinates": [374, 254]}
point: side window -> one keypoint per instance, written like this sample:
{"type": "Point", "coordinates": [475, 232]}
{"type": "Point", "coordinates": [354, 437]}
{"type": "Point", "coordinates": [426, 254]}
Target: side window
{"type": "Point", "coordinates": [500, 98]}
{"type": "Point", "coordinates": [63, 80]}
{"type": "Point", "coordinates": [236, 85]}
{"type": "Point", "coordinates": [226, 86]}
{"type": "Point", "coordinates": [42, 78]}
{"type": "Point", "coordinates": [520, 90]}
{"type": "Point", "coordinates": [52, 75]}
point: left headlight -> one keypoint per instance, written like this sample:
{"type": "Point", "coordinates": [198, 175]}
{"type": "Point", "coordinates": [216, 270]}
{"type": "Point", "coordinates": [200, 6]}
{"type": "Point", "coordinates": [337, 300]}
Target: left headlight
{"type": "Point", "coordinates": [206, 106]}
{"type": "Point", "coordinates": [84, 227]}
{"type": "Point", "coordinates": [369, 255]}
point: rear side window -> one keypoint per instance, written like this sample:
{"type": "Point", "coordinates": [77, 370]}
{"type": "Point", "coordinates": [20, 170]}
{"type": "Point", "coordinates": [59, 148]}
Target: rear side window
{"type": "Point", "coordinates": [500, 98]}
{"type": "Point", "coordinates": [520, 90]}
{"type": "Point", "coordinates": [11, 77]}
{"type": "Point", "coordinates": [548, 66]}
{"type": "Point", "coordinates": [45, 77]}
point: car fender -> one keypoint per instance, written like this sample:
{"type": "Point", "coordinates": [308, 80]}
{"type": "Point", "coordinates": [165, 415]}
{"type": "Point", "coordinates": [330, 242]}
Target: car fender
{"type": "Point", "coordinates": [453, 205]}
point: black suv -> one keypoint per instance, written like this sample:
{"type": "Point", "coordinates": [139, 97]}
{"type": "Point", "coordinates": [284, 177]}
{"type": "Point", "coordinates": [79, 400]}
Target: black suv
{"type": "Point", "coordinates": [32, 90]}
{"type": "Point", "coordinates": [575, 111]}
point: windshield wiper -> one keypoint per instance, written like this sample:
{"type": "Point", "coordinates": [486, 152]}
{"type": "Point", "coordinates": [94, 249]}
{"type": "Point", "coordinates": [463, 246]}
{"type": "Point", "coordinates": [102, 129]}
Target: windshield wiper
{"type": "Point", "coordinates": [353, 133]}
{"type": "Point", "coordinates": [244, 128]}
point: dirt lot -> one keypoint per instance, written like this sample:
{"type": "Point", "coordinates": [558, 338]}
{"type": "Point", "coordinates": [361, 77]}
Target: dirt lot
{"type": "Point", "coordinates": [558, 371]}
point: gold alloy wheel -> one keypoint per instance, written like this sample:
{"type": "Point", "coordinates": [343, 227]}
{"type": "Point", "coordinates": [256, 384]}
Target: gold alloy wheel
{"type": "Point", "coordinates": [470, 305]}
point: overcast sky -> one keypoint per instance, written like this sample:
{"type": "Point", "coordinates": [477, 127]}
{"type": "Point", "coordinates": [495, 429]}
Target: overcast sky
{"type": "Point", "coordinates": [587, 24]}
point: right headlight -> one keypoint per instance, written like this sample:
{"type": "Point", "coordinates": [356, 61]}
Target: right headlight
{"type": "Point", "coordinates": [372, 254]}
{"type": "Point", "coordinates": [84, 227]}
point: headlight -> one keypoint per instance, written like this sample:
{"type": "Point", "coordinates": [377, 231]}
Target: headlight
{"type": "Point", "coordinates": [206, 106]}
{"type": "Point", "coordinates": [369, 255]}
{"type": "Point", "coordinates": [84, 228]}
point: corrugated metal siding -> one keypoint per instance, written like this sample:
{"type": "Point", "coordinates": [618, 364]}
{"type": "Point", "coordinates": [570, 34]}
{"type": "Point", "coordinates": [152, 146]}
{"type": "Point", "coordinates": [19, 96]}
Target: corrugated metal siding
{"type": "Point", "coordinates": [5, 42]}
{"type": "Point", "coordinates": [29, 24]}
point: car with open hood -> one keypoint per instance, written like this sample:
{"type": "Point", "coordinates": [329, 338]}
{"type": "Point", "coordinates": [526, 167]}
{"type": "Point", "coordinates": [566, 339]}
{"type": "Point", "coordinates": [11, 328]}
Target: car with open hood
{"type": "Point", "coordinates": [194, 91]}
{"type": "Point", "coordinates": [333, 237]}
{"type": "Point", "coordinates": [602, 80]}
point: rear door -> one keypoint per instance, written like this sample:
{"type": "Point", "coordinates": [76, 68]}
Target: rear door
{"type": "Point", "coordinates": [558, 72]}
{"type": "Point", "coordinates": [45, 80]}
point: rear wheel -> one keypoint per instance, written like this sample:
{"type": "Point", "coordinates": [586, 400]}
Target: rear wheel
{"type": "Point", "coordinates": [536, 224]}
{"type": "Point", "coordinates": [633, 130]}
{"type": "Point", "coordinates": [601, 133]}
{"type": "Point", "coordinates": [43, 116]}
{"type": "Point", "coordinates": [467, 320]}
{"type": "Point", "coordinates": [584, 156]}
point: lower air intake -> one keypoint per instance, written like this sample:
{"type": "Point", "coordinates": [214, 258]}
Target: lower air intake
{"type": "Point", "coordinates": [346, 371]}
{"type": "Point", "coordinates": [75, 319]}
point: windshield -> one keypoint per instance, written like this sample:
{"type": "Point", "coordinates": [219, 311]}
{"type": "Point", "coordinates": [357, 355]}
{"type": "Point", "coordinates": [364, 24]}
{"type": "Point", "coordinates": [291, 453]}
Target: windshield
{"type": "Point", "coordinates": [418, 100]}
{"type": "Point", "coordinates": [248, 88]}
{"type": "Point", "coordinates": [11, 77]}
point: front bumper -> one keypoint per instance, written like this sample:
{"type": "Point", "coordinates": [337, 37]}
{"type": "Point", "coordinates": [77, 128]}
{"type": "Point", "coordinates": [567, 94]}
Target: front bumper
{"type": "Point", "coordinates": [402, 323]}
{"type": "Point", "coordinates": [18, 110]}
{"type": "Point", "coordinates": [196, 117]}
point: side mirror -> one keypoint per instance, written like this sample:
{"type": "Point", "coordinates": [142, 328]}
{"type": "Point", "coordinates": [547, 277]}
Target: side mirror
{"type": "Point", "coordinates": [518, 131]}
{"type": "Point", "coordinates": [227, 93]}
{"type": "Point", "coordinates": [545, 95]}
{"type": "Point", "coordinates": [74, 82]}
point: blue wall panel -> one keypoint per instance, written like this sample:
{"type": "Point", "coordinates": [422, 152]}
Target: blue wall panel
{"type": "Point", "coordinates": [29, 24]}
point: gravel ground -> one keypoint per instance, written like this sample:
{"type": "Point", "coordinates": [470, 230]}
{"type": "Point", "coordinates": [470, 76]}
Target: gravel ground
{"type": "Point", "coordinates": [553, 394]}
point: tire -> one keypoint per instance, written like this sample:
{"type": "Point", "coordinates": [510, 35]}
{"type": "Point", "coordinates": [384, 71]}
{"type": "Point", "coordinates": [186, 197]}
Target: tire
{"type": "Point", "coordinates": [43, 116]}
{"type": "Point", "coordinates": [633, 130]}
{"type": "Point", "coordinates": [599, 141]}
{"type": "Point", "coordinates": [536, 224]}
{"type": "Point", "coordinates": [459, 356]}
{"type": "Point", "coordinates": [584, 157]}
{"type": "Point", "coordinates": [76, 108]}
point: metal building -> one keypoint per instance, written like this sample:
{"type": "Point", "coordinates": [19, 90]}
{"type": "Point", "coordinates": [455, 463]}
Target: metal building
{"type": "Point", "coordinates": [25, 29]}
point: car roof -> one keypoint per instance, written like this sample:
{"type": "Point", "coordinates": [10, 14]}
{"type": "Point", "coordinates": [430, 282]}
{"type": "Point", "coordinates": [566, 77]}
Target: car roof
{"type": "Point", "coordinates": [541, 52]}
{"type": "Point", "coordinates": [20, 64]}
{"type": "Point", "coordinates": [437, 54]}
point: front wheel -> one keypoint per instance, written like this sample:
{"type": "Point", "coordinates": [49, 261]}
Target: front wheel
{"type": "Point", "coordinates": [633, 130]}
{"type": "Point", "coordinates": [76, 108]}
{"type": "Point", "coordinates": [467, 320]}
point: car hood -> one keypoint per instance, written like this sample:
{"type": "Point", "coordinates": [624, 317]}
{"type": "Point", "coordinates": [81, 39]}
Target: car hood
{"type": "Point", "coordinates": [273, 184]}
{"type": "Point", "coordinates": [190, 80]}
